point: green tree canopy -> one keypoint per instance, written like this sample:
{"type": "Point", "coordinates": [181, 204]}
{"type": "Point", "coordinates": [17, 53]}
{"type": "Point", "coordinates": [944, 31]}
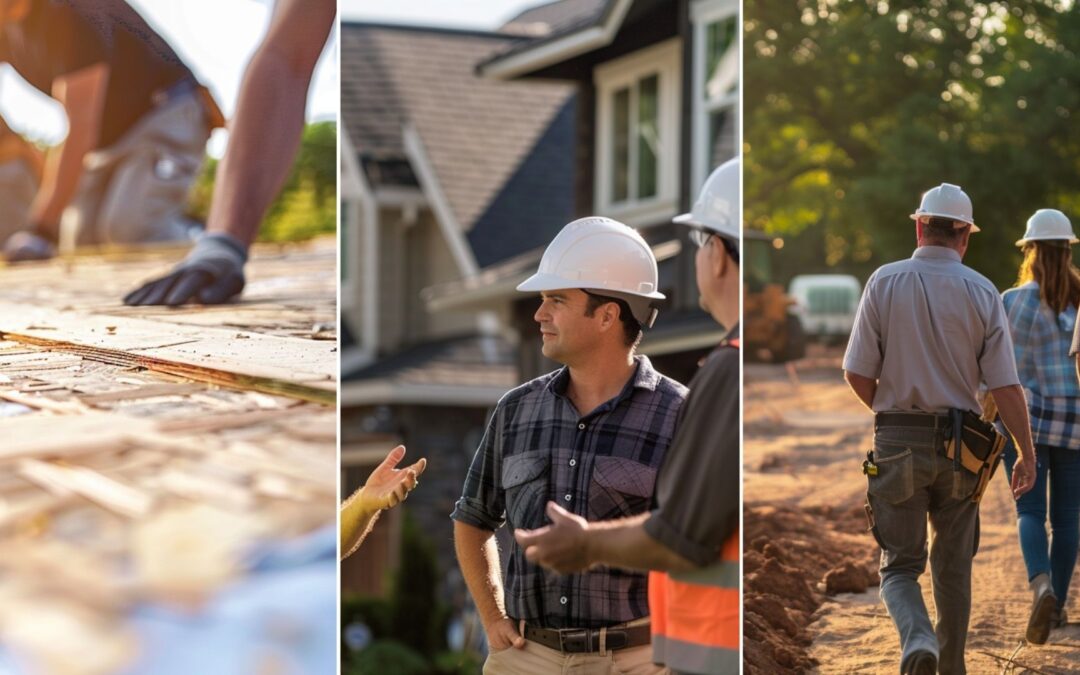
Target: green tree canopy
{"type": "Point", "coordinates": [855, 107]}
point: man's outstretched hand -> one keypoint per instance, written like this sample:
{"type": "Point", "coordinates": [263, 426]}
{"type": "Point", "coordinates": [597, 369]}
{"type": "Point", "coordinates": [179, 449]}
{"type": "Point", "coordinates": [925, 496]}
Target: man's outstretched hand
{"type": "Point", "coordinates": [212, 273]}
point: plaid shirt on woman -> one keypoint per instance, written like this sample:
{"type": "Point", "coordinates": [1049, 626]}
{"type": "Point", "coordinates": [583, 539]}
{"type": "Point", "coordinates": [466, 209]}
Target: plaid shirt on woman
{"type": "Point", "coordinates": [537, 448]}
{"type": "Point", "coordinates": [1041, 340]}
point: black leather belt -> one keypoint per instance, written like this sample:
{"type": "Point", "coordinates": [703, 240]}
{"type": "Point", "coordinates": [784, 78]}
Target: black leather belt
{"type": "Point", "coordinates": [584, 640]}
{"type": "Point", "coordinates": [911, 419]}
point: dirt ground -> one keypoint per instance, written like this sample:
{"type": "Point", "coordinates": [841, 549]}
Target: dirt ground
{"type": "Point", "coordinates": [810, 569]}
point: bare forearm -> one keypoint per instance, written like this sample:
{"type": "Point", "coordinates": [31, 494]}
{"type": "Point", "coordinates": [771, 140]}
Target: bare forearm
{"type": "Point", "coordinates": [864, 387]}
{"type": "Point", "coordinates": [1012, 407]}
{"type": "Point", "coordinates": [478, 557]}
{"type": "Point", "coordinates": [625, 544]}
{"type": "Point", "coordinates": [82, 94]}
{"type": "Point", "coordinates": [356, 523]}
{"type": "Point", "coordinates": [264, 134]}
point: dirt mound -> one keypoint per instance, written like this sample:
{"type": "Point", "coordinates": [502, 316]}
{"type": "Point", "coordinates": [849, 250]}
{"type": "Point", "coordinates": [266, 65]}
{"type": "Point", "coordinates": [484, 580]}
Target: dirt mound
{"type": "Point", "coordinates": [795, 556]}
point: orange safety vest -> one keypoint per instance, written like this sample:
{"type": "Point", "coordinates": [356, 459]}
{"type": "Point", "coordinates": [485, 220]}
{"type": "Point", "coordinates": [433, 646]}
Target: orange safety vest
{"type": "Point", "coordinates": [695, 615]}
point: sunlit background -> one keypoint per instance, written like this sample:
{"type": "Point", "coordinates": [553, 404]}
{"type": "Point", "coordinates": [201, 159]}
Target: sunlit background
{"type": "Point", "coordinates": [216, 38]}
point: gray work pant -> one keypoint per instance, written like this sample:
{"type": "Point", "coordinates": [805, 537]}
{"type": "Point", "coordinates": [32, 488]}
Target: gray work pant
{"type": "Point", "coordinates": [18, 185]}
{"type": "Point", "coordinates": [916, 481]}
{"type": "Point", "coordinates": [135, 190]}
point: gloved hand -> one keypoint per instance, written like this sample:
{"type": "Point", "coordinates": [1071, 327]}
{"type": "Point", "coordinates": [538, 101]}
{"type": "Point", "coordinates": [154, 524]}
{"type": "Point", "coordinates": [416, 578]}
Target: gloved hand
{"type": "Point", "coordinates": [212, 273]}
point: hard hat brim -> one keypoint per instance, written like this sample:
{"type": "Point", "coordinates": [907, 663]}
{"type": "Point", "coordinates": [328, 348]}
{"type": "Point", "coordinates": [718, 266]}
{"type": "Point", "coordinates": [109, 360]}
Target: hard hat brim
{"type": "Point", "coordinates": [916, 216]}
{"type": "Point", "coordinates": [689, 219]}
{"type": "Point", "coordinates": [551, 282]}
{"type": "Point", "coordinates": [1070, 239]}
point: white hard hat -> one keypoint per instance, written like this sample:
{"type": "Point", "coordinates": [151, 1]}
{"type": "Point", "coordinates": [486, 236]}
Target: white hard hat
{"type": "Point", "coordinates": [603, 256]}
{"type": "Point", "coordinates": [717, 205]}
{"type": "Point", "coordinates": [946, 201]}
{"type": "Point", "coordinates": [1048, 224]}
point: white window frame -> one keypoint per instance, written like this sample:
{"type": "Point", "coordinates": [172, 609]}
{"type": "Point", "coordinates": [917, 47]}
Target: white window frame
{"type": "Point", "coordinates": [663, 59]}
{"type": "Point", "coordinates": [703, 13]}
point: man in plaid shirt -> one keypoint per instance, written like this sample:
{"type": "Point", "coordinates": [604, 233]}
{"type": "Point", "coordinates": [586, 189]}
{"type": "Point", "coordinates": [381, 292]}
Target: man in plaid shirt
{"type": "Point", "coordinates": [590, 437]}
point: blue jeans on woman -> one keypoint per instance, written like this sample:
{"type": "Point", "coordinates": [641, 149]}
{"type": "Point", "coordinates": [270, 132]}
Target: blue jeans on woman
{"type": "Point", "coordinates": [1060, 469]}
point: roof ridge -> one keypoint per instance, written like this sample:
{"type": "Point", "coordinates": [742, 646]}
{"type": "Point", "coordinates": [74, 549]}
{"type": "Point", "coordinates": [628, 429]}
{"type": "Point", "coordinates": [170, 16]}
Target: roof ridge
{"type": "Point", "coordinates": [427, 28]}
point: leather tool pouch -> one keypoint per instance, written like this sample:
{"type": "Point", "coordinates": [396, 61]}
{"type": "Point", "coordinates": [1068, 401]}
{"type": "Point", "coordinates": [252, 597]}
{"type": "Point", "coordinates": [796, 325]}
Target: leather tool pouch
{"type": "Point", "coordinates": [980, 447]}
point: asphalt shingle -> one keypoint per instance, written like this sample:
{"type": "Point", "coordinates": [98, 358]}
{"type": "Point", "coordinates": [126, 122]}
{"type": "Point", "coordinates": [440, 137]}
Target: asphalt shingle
{"type": "Point", "coordinates": [502, 151]}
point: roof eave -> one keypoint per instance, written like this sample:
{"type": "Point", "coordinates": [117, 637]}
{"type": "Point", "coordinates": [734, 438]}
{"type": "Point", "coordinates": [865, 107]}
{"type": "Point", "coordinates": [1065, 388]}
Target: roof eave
{"type": "Point", "coordinates": [563, 48]}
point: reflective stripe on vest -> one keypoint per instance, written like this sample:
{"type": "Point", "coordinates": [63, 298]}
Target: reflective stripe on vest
{"type": "Point", "coordinates": [695, 616]}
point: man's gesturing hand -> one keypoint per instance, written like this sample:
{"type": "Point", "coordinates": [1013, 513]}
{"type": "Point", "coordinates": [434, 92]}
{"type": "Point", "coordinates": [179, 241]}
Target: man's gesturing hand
{"type": "Point", "coordinates": [560, 546]}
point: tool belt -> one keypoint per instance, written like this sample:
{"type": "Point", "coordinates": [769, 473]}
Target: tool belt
{"type": "Point", "coordinates": [981, 446]}
{"type": "Point", "coordinates": [585, 640]}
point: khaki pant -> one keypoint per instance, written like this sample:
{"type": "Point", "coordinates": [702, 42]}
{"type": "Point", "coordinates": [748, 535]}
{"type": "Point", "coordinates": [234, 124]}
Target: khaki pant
{"type": "Point", "coordinates": [18, 185]}
{"type": "Point", "coordinates": [536, 659]}
{"type": "Point", "coordinates": [134, 191]}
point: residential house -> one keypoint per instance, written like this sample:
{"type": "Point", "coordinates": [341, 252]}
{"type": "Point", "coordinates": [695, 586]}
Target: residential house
{"type": "Point", "coordinates": [657, 110]}
{"type": "Point", "coordinates": [444, 173]}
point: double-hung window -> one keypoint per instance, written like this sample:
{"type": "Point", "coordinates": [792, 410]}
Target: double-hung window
{"type": "Point", "coordinates": [638, 134]}
{"type": "Point", "coordinates": [715, 85]}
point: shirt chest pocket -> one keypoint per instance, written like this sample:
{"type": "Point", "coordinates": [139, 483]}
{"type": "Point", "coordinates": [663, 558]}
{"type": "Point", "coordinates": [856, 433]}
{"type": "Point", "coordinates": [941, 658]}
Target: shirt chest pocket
{"type": "Point", "coordinates": [619, 487]}
{"type": "Point", "coordinates": [525, 483]}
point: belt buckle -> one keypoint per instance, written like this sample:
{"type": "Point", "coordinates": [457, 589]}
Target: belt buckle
{"type": "Point", "coordinates": [569, 639]}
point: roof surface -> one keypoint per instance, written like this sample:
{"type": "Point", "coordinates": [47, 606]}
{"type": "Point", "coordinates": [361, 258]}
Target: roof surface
{"type": "Point", "coordinates": [502, 152]}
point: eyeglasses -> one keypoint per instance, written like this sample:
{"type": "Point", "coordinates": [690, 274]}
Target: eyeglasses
{"type": "Point", "coordinates": [700, 236]}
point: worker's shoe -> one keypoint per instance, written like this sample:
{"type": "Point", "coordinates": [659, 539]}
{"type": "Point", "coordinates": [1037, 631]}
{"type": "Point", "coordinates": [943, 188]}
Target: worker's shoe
{"type": "Point", "coordinates": [1043, 608]}
{"type": "Point", "coordinates": [921, 663]}
{"type": "Point", "coordinates": [1060, 619]}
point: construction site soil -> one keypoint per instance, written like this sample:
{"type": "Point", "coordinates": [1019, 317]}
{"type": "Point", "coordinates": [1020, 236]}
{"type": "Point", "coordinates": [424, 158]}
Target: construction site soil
{"type": "Point", "coordinates": [810, 567]}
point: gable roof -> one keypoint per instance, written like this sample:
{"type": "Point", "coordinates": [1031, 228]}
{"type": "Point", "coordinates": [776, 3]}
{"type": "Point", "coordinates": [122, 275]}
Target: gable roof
{"type": "Point", "coordinates": [502, 152]}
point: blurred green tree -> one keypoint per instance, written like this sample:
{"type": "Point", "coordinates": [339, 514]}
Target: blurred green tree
{"type": "Point", "coordinates": [855, 107]}
{"type": "Point", "coordinates": [307, 204]}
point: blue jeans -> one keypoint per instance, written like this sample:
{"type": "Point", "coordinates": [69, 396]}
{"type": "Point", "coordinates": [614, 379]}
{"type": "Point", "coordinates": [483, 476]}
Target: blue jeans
{"type": "Point", "coordinates": [916, 483]}
{"type": "Point", "coordinates": [1060, 469]}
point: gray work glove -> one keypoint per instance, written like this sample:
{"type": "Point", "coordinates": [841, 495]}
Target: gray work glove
{"type": "Point", "coordinates": [212, 273]}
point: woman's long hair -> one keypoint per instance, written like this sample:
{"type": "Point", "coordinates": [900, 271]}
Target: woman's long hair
{"type": "Point", "coordinates": [1049, 264]}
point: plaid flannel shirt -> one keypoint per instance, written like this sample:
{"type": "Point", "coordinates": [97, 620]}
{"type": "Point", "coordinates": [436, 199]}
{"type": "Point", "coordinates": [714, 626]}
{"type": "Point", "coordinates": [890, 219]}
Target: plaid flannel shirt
{"type": "Point", "coordinates": [601, 466]}
{"type": "Point", "coordinates": [1041, 340]}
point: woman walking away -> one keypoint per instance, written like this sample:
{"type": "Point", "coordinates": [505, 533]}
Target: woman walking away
{"type": "Point", "coordinates": [1042, 311]}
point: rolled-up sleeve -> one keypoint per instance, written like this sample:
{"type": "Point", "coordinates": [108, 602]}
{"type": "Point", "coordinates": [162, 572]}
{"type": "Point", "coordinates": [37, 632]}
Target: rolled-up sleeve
{"type": "Point", "coordinates": [864, 354]}
{"type": "Point", "coordinates": [481, 504]}
{"type": "Point", "coordinates": [697, 492]}
{"type": "Point", "coordinates": [997, 361]}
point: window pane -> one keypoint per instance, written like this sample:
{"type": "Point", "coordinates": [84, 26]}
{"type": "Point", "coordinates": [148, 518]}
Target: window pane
{"type": "Point", "coordinates": [721, 59]}
{"type": "Point", "coordinates": [722, 127]}
{"type": "Point", "coordinates": [620, 165]}
{"type": "Point", "coordinates": [648, 140]}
